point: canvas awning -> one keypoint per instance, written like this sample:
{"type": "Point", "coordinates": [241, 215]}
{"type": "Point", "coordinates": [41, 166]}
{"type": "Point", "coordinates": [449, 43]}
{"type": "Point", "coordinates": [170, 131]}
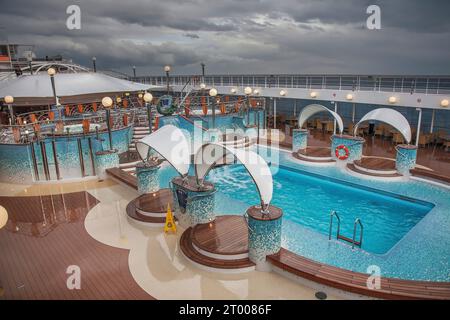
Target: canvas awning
{"type": "Point", "coordinates": [37, 88]}
{"type": "Point", "coordinates": [170, 142]}
{"type": "Point", "coordinates": [211, 154]}
{"type": "Point", "coordinates": [391, 117]}
{"type": "Point", "coordinates": [312, 109]}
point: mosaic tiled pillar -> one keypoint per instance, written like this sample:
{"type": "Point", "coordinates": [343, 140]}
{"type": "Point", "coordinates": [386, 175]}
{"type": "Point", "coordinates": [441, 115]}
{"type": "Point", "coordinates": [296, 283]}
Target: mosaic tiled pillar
{"type": "Point", "coordinates": [147, 177]}
{"type": "Point", "coordinates": [193, 204]}
{"type": "Point", "coordinates": [264, 235]}
{"type": "Point", "coordinates": [104, 160]}
{"type": "Point", "coordinates": [406, 158]}
{"type": "Point", "coordinates": [299, 139]}
{"type": "Point", "coordinates": [354, 145]}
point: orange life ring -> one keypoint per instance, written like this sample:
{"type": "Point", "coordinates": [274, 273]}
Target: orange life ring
{"type": "Point", "coordinates": [344, 156]}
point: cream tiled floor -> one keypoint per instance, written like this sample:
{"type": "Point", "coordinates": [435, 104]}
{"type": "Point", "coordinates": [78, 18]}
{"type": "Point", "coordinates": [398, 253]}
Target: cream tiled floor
{"type": "Point", "coordinates": [155, 260]}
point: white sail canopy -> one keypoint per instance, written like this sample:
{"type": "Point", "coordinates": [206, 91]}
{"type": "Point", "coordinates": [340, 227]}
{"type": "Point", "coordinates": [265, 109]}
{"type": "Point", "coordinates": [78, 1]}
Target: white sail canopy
{"type": "Point", "coordinates": [392, 118]}
{"type": "Point", "coordinates": [211, 154]}
{"type": "Point", "coordinates": [312, 109]}
{"type": "Point", "coordinates": [171, 144]}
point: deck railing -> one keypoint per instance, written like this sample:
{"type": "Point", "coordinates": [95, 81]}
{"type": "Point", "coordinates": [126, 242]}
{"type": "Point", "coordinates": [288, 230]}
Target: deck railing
{"type": "Point", "coordinates": [381, 83]}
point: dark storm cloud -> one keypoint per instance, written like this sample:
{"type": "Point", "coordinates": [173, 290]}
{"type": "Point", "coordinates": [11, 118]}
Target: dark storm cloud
{"type": "Point", "coordinates": [261, 36]}
{"type": "Point", "coordinates": [191, 35]}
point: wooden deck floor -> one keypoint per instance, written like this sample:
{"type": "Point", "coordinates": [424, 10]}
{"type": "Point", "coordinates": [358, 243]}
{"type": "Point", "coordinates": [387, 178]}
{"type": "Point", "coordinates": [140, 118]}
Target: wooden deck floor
{"type": "Point", "coordinates": [357, 282]}
{"type": "Point", "coordinates": [226, 235]}
{"type": "Point", "coordinates": [44, 236]}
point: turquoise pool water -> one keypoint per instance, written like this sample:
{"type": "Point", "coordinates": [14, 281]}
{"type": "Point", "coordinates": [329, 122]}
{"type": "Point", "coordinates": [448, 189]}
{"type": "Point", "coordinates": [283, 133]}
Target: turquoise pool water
{"type": "Point", "coordinates": [406, 223]}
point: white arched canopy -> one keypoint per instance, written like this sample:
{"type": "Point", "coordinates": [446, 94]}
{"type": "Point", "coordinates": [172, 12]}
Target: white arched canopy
{"type": "Point", "coordinates": [312, 109]}
{"type": "Point", "coordinates": [211, 154]}
{"type": "Point", "coordinates": [170, 143]}
{"type": "Point", "coordinates": [391, 117]}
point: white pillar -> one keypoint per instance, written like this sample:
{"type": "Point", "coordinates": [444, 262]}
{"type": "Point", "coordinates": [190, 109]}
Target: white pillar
{"type": "Point", "coordinates": [295, 108]}
{"type": "Point", "coordinates": [274, 113]}
{"type": "Point", "coordinates": [419, 122]}
{"type": "Point", "coordinates": [335, 110]}
{"type": "Point", "coordinates": [353, 113]}
{"type": "Point", "coordinates": [432, 120]}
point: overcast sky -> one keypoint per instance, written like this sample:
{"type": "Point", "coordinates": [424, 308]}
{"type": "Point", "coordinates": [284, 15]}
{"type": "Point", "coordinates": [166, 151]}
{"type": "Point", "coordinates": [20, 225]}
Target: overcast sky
{"type": "Point", "coordinates": [239, 36]}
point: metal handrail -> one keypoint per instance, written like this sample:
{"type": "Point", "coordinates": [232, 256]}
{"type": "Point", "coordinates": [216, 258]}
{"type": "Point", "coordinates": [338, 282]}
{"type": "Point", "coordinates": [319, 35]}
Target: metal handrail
{"type": "Point", "coordinates": [382, 83]}
{"type": "Point", "coordinates": [357, 221]}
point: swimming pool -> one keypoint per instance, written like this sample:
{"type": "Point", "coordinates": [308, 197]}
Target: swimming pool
{"type": "Point", "coordinates": [308, 200]}
{"type": "Point", "coordinates": [405, 222]}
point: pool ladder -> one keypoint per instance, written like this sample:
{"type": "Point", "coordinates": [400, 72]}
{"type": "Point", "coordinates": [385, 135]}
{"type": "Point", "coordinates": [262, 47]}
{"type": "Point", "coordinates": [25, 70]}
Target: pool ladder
{"type": "Point", "coordinates": [341, 237]}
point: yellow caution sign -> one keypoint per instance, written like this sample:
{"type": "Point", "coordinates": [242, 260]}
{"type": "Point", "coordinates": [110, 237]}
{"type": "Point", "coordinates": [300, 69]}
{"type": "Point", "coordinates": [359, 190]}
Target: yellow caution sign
{"type": "Point", "coordinates": [170, 224]}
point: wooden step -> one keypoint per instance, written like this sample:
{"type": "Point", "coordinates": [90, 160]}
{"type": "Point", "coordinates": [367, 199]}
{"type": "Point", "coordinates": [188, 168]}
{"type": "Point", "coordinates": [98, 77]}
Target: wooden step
{"type": "Point", "coordinates": [123, 177]}
{"type": "Point", "coordinates": [192, 254]}
{"type": "Point", "coordinates": [226, 235]}
{"type": "Point", "coordinates": [430, 174]}
{"type": "Point", "coordinates": [133, 214]}
{"type": "Point", "coordinates": [302, 158]}
{"type": "Point", "coordinates": [352, 167]}
{"type": "Point", "coordinates": [355, 282]}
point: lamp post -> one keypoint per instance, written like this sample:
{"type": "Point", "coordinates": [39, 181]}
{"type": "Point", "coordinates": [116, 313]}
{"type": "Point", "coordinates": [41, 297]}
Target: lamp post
{"type": "Point", "coordinates": [203, 72]}
{"type": "Point", "coordinates": [134, 72]}
{"type": "Point", "coordinates": [51, 72]}
{"type": "Point", "coordinates": [9, 100]}
{"type": "Point", "coordinates": [248, 91]}
{"type": "Point", "coordinates": [213, 94]}
{"type": "Point", "coordinates": [94, 59]}
{"type": "Point", "coordinates": [107, 102]}
{"type": "Point", "coordinates": [148, 99]}
{"type": "Point", "coordinates": [118, 101]}
{"type": "Point", "coordinates": [167, 70]}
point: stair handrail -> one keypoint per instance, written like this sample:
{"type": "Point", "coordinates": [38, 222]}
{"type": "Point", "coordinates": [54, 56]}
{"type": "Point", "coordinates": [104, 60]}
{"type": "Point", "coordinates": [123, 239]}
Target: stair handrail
{"type": "Point", "coordinates": [334, 214]}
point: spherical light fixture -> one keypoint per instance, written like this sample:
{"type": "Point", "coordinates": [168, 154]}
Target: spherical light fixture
{"type": "Point", "coordinates": [349, 97]}
{"type": "Point", "coordinates": [313, 94]}
{"type": "Point", "coordinates": [3, 217]}
{"type": "Point", "coordinates": [283, 93]}
{"type": "Point", "coordinates": [213, 92]}
{"type": "Point", "coordinates": [148, 97]}
{"type": "Point", "coordinates": [8, 99]}
{"type": "Point", "coordinates": [107, 102]}
{"type": "Point", "coordinates": [202, 86]}
{"type": "Point", "coordinates": [140, 95]}
{"type": "Point", "coordinates": [233, 90]}
{"type": "Point", "coordinates": [127, 94]}
{"type": "Point", "coordinates": [256, 92]}
{"type": "Point", "coordinates": [118, 99]}
{"type": "Point", "coordinates": [392, 100]}
{"type": "Point", "coordinates": [444, 103]}
{"type": "Point", "coordinates": [51, 71]}
{"type": "Point", "coordinates": [248, 90]}
{"type": "Point", "coordinates": [167, 68]}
